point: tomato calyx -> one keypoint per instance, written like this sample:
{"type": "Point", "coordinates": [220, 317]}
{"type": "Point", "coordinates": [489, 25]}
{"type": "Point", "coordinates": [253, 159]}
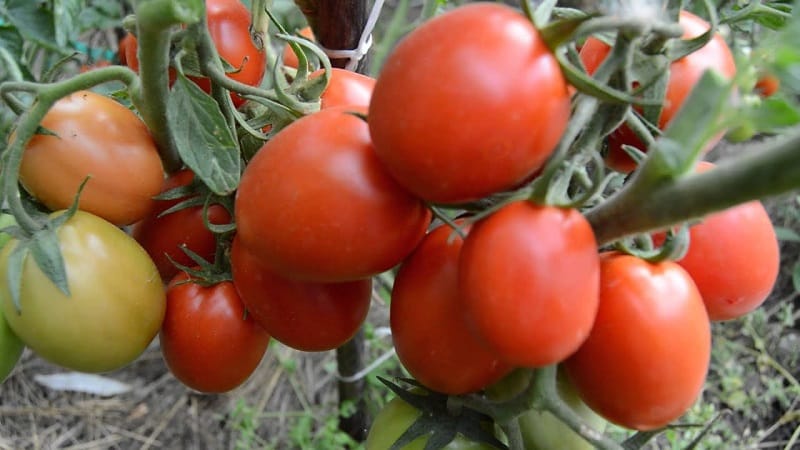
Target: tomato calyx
{"type": "Point", "coordinates": [441, 419]}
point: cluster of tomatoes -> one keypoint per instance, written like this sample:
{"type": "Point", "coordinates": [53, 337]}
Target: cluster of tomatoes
{"type": "Point", "coordinates": [333, 199]}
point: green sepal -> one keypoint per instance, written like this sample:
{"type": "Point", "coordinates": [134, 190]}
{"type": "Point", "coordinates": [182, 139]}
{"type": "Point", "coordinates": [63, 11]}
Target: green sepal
{"type": "Point", "coordinates": [16, 264]}
{"type": "Point", "coordinates": [46, 252]}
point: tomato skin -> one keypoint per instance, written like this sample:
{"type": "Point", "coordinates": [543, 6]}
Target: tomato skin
{"type": "Point", "coordinates": [461, 135]}
{"type": "Point", "coordinates": [356, 221]}
{"type": "Point", "coordinates": [431, 335]}
{"type": "Point", "coordinates": [647, 373]}
{"type": "Point", "coordinates": [307, 316]}
{"type": "Point", "coordinates": [11, 348]}
{"type": "Point", "coordinates": [162, 237]}
{"type": "Point", "coordinates": [529, 276]}
{"type": "Point", "coordinates": [96, 137]}
{"type": "Point", "coordinates": [346, 88]}
{"type": "Point", "coordinates": [393, 420]}
{"type": "Point", "coordinates": [117, 302]}
{"type": "Point", "coordinates": [208, 341]}
{"type": "Point", "coordinates": [123, 47]}
{"type": "Point", "coordinates": [684, 73]}
{"type": "Point", "coordinates": [229, 27]}
{"type": "Point", "coordinates": [767, 85]}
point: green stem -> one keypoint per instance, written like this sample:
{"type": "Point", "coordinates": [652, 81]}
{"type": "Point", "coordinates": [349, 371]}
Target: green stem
{"type": "Point", "coordinates": [28, 124]}
{"type": "Point", "coordinates": [772, 168]}
{"type": "Point", "coordinates": [154, 21]}
{"type": "Point", "coordinates": [514, 434]}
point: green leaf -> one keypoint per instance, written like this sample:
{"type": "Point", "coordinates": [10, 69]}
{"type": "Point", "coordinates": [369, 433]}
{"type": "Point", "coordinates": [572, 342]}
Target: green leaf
{"type": "Point", "coordinates": [16, 264]}
{"type": "Point", "coordinates": [787, 234]}
{"type": "Point", "coordinates": [67, 12]}
{"type": "Point", "coordinates": [46, 252]}
{"type": "Point", "coordinates": [33, 20]}
{"type": "Point", "coordinates": [796, 277]}
{"type": "Point", "coordinates": [773, 114]}
{"type": "Point", "coordinates": [11, 41]}
{"type": "Point", "coordinates": [204, 141]}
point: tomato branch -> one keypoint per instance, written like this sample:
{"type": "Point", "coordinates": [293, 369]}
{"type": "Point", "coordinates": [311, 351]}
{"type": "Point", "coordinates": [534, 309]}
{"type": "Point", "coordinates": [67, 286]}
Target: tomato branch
{"type": "Point", "coordinates": [154, 22]}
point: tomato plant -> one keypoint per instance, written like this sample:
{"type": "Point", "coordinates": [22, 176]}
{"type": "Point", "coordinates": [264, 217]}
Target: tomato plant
{"type": "Point", "coordinates": [11, 348]}
{"type": "Point", "coordinates": [431, 335]}
{"type": "Point", "coordinates": [304, 315]}
{"type": "Point", "coordinates": [529, 277]}
{"type": "Point", "coordinates": [288, 56]}
{"type": "Point", "coordinates": [333, 214]}
{"type": "Point", "coordinates": [450, 136]}
{"type": "Point", "coordinates": [208, 341]}
{"type": "Point", "coordinates": [645, 361]}
{"type": "Point", "coordinates": [95, 137]}
{"type": "Point", "coordinates": [116, 304]}
{"type": "Point", "coordinates": [346, 88]}
{"type": "Point", "coordinates": [163, 236]}
{"type": "Point", "coordinates": [684, 73]}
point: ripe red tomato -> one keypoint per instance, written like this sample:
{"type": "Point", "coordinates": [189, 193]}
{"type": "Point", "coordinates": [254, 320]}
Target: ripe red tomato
{"type": "Point", "coordinates": [289, 58]}
{"type": "Point", "coordinates": [208, 341]}
{"type": "Point", "coordinates": [452, 136]}
{"type": "Point", "coordinates": [346, 88]}
{"type": "Point", "coordinates": [529, 277]}
{"type": "Point", "coordinates": [646, 358]}
{"type": "Point", "coordinates": [306, 316]}
{"type": "Point", "coordinates": [733, 258]}
{"type": "Point", "coordinates": [96, 137]}
{"type": "Point", "coordinates": [767, 85]}
{"type": "Point", "coordinates": [229, 26]}
{"type": "Point", "coordinates": [123, 46]}
{"type": "Point", "coordinates": [162, 237]}
{"type": "Point", "coordinates": [431, 334]}
{"type": "Point", "coordinates": [315, 203]}
{"type": "Point", "coordinates": [684, 73]}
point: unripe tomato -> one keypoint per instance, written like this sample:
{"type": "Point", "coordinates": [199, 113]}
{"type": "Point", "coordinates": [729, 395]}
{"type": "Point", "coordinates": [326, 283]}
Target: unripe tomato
{"type": "Point", "coordinates": [315, 203]}
{"type": "Point", "coordinates": [684, 74]}
{"type": "Point", "coordinates": [208, 341]}
{"type": "Point", "coordinates": [163, 237]}
{"type": "Point", "coordinates": [11, 346]}
{"type": "Point", "coordinates": [431, 334]}
{"type": "Point", "coordinates": [98, 138]}
{"type": "Point", "coordinates": [116, 304]}
{"type": "Point", "coordinates": [303, 315]}
{"type": "Point", "coordinates": [645, 361]}
{"type": "Point", "coordinates": [452, 136]}
{"type": "Point", "coordinates": [529, 278]}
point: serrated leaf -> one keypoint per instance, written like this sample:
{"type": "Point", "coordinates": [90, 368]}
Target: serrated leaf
{"type": "Point", "coordinates": [46, 252]}
{"type": "Point", "coordinates": [34, 22]}
{"type": "Point", "coordinates": [787, 234]}
{"type": "Point", "coordinates": [16, 264]}
{"type": "Point", "coordinates": [204, 141]}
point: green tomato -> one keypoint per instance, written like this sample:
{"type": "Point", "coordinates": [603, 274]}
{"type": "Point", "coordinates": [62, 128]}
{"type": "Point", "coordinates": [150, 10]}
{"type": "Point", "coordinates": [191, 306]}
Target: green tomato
{"type": "Point", "coordinates": [393, 420]}
{"type": "Point", "coordinates": [116, 306]}
{"type": "Point", "coordinates": [10, 345]}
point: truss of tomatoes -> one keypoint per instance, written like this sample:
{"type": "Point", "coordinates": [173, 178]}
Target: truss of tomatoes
{"type": "Point", "coordinates": [333, 200]}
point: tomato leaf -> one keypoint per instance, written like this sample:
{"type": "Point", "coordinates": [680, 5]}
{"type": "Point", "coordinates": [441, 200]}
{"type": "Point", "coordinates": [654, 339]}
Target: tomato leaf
{"type": "Point", "coordinates": [796, 277]}
{"type": "Point", "coordinates": [33, 20]}
{"type": "Point", "coordinates": [787, 234]}
{"type": "Point", "coordinates": [205, 142]}
{"type": "Point", "coordinates": [16, 262]}
{"type": "Point", "coordinates": [46, 252]}
{"type": "Point", "coordinates": [67, 12]}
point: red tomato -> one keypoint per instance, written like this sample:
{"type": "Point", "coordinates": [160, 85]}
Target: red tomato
{"type": "Point", "coordinates": [734, 258]}
{"type": "Point", "coordinates": [95, 137]}
{"type": "Point", "coordinates": [529, 277]}
{"type": "Point", "coordinates": [346, 88]}
{"type": "Point", "coordinates": [207, 340]}
{"type": "Point", "coordinates": [163, 237]}
{"type": "Point", "coordinates": [229, 26]}
{"type": "Point", "coordinates": [123, 46]}
{"type": "Point", "coordinates": [767, 85]}
{"type": "Point", "coordinates": [431, 334]}
{"type": "Point", "coordinates": [306, 316]}
{"type": "Point", "coordinates": [645, 361]}
{"type": "Point", "coordinates": [452, 136]}
{"type": "Point", "coordinates": [289, 58]}
{"type": "Point", "coordinates": [315, 203]}
{"type": "Point", "coordinates": [684, 73]}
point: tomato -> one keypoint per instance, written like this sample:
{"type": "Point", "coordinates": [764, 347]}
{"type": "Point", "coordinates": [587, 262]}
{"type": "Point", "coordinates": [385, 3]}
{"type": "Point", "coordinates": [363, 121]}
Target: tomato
{"type": "Point", "coordinates": [470, 103]}
{"type": "Point", "coordinates": [431, 335]}
{"type": "Point", "coordinates": [229, 27]}
{"type": "Point", "coordinates": [684, 73]}
{"type": "Point", "coordinates": [733, 258]}
{"type": "Point", "coordinates": [289, 58]}
{"type": "Point", "coordinates": [208, 341]}
{"type": "Point", "coordinates": [314, 203]}
{"type": "Point", "coordinates": [395, 418]}
{"type": "Point", "coordinates": [767, 85]}
{"type": "Point", "coordinates": [645, 361]}
{"type": "Point", "coordinates": [303, 315]}
{"type": "Point", "coordinates": [95, 65]}
{"type": "Point", "coordinates": [11, 346]}
{"type": "Point", "coordinates": [529, 277]}
{"type": "Point", "coordinates": [163, 237]}
{"type": "Point", "coordinates": [346, 88]}
{"type": "Point", "coordinates": [116, 304]}
{"type": "Point", "coordinates": [97, 138]}
{"type": "Point", "coordinates": [123, 47]}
